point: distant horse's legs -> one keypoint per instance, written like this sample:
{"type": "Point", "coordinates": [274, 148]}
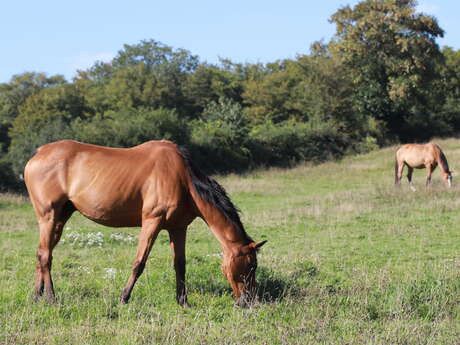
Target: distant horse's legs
{"type": "Point", "coordinates": [399, 166]}
{"type": "Point", "coordinates": [409, 178]}
{"type": "Point", "coordinates": [51, 224]}
{"type": "Point", "coordinates": [429, 170]}
{"type": "Point", "coordinates": [177, 239]}
{"type": "Point", "coordinates": [150, 229]}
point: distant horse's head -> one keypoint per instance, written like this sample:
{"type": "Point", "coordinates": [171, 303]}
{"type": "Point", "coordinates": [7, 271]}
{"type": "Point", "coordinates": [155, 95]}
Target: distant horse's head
{"type": "Point", "coordinates": [240, 270]}
{"type": "Point", "coordinates": [447, 176]}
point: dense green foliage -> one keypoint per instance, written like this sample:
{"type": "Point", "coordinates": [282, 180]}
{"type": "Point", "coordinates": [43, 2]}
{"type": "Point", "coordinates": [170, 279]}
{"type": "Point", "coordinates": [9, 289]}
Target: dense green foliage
{"type": "Point", "coordinates": [382, 79]}
{"type": "Point", "coordinates": [349, 260]}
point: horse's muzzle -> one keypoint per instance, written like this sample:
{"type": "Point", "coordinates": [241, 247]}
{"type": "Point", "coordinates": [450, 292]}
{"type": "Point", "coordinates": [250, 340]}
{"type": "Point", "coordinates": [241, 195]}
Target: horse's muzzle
{"type": "Point", "coordinates": [246, 300]}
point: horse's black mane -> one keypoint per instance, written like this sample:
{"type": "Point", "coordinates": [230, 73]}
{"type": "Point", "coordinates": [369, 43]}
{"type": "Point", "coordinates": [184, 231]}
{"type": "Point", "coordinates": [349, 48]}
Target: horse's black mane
{"type": "Point", "coordinates": [444, 161]}
{"type": "Point", "coordinates": [209, 190]}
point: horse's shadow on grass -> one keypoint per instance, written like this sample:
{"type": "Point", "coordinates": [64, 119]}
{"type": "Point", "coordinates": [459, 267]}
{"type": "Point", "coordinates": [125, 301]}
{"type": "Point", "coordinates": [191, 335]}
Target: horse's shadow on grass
{"type": "Point", "coordinates": [271, 286]}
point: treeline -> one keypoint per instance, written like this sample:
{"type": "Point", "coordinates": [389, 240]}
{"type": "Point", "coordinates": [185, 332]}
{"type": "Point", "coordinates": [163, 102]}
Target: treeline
{"type": "Point", "coordinates": [381, 79]}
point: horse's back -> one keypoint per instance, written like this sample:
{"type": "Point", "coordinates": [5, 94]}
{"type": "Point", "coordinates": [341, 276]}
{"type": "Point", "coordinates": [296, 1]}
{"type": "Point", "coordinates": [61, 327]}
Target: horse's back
{"type": "Point", "coordinates": [418, 155]}
{"type": "Point", "coordinates": [71, 156]}
{"type": "Point", "coordinates": [108, 185]}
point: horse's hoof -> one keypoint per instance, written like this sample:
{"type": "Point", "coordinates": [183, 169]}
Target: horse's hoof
{"type": "Point", "coordinates": [124, 299]}
{"type": "Point", "coordinates": [182, 301]}
{"type": "Point", "coordinates": [242, 303]}
{"type": "Point", "coordinates": [50, 299]}
{"type": "Point", "coordinates": [185, 305]}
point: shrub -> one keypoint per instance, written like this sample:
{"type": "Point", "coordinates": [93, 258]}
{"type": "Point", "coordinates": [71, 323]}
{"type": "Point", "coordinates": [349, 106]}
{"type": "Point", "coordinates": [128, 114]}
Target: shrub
{"type": "Point", "coordinates": [131, 127]}
{"type": "Point", "coordinates": [8, 180]}
{"type": "Point", "coordinates": [219, 139]}
{"type": "Point", "coordinates": [23, 146]}
{"type": "Point", "coordinates": [291, 141]}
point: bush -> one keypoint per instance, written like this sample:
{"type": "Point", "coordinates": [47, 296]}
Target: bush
{"type": "Point", "coordinates": [130, 127]}
{"type": "Point", "coordinates": [8, 180]}
{"type": "Point", "coordinates": [23, 146]}
{"type": "Point", "coordinates": [219, 140]}
{"type": "Point", "coordinates": [288, 142]}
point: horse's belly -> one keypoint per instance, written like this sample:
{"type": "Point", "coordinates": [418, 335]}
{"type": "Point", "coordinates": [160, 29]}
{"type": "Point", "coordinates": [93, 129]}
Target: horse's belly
{"type": "Point", "coordinates": [111, 213]}
{"type": "Point", "coordinates": [116, 221]}
{"type": "Point", "coordinates": [416, 163]}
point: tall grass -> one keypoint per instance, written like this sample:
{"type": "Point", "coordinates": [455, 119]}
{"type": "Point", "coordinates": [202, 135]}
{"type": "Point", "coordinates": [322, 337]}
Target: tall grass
{"type": "Point", "coordinates": [349, 260]}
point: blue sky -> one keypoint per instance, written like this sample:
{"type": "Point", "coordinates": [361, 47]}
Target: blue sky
{"type": "Point", "coordinates": [59, 37]}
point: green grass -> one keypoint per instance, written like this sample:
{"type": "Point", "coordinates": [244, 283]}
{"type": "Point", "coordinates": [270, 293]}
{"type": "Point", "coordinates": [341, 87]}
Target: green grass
{"type": "Point", "coordinates": [349, 260]}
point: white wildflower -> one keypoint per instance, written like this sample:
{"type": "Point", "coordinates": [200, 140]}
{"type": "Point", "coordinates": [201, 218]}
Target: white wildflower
{"type": "Point", "coordinates": [110, 272]}
{"type": "Point", "coordinates": [117, 237]}
{"type": "Point", "coordinates": [91, 239]}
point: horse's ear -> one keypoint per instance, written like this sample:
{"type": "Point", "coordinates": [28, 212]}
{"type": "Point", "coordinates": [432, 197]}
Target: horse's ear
{"type": "Point", "coordinates": [257, 245]}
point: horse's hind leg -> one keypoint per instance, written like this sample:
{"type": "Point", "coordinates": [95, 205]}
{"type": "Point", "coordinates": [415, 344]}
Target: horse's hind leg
{"type": "Point", "coordinates": [44, 257]}
{"type": "Point", "coordinates": [51, 222]}
{"type": "Point", "coordinates": [177, 239]}
{"type": "Point", "coordinates": [150, 229]}
{"type": "Point", "coordinates": [409, 178]}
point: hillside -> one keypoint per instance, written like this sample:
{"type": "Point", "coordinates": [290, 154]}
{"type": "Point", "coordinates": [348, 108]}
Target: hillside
{"type": "Point", "coordinates": [349, 260]}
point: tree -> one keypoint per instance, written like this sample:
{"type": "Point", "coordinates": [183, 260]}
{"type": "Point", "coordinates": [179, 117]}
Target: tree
{"type": "Point", "coordinates": [390, 52]}
{"type": "Point", "coordinates": [268, 92]}
{"type": "Point", "coordinates": [323, 93]}
{"type": "Point", "coordinates": [148, 74]}
{"type": "Point", "coordinates": [43, 117]}
{"type": "Point", "coordinates": [208, 83]}
{"type": "Point", "coordinates": [15, 93]}
{"type": "Point", "coordinates": [170, 67]}
{"type": "Point", "coordinates": [451, 78]}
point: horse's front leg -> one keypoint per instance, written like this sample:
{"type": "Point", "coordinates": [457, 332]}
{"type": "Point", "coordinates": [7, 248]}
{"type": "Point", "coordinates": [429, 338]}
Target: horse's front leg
{"type": "Point", "coordinates": [429, 172]}
{"type": "Point", "coordinates": [149, 232]}
{"type": "Point", "coordinates": [177, 241]}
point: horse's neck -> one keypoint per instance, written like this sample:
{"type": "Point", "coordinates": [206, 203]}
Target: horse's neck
{"type": "Point", "coordinates": [442, 162]}
{"type": "Point", "coordinates": [229, 235]}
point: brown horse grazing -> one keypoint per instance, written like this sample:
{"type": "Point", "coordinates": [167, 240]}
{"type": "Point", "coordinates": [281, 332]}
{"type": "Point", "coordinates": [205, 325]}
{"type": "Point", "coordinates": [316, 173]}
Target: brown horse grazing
{"type": "Point", "coordinates": [421, 156]}
{"type": "Point", "coordinates": [154, 185]}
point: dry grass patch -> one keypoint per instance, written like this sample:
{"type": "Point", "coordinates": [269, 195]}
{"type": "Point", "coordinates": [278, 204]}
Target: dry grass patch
{"type": "Point", "coordinates": [11, 198]}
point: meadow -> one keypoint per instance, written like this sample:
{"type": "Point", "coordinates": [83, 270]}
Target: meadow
{"type": "Point", "coordinates": [349, 260]}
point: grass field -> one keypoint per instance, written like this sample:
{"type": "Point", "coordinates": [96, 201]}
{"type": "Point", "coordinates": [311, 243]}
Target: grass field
{"type": "Point", "coordinates": [349, 260]}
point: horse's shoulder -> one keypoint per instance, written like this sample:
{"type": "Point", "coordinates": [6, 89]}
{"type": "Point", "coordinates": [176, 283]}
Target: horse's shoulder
{"type": "Point", "coordinates": [58, 144]}
{"type": "Point", "coordinates": [404, 147]}
{"type": "Point", "coordinates": [154, 146]}
{"type": "Point", "coordinates": [56, 148]}
{"type": "Point", "coordinates": [433, 145]}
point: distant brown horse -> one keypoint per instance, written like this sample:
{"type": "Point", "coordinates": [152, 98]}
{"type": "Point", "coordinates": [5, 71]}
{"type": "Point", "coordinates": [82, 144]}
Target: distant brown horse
{"type": "Point", "coordinates": [154, 185]}
{"type": "Point", "coordinates": [421, 156]}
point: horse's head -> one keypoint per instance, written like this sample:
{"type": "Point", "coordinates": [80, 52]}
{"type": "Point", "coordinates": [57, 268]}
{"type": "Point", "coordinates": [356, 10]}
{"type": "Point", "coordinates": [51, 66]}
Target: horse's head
{"type": "Point", "coordinates": [448, 178]}
{"type": "Point", "coordinates": [240, 270]}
